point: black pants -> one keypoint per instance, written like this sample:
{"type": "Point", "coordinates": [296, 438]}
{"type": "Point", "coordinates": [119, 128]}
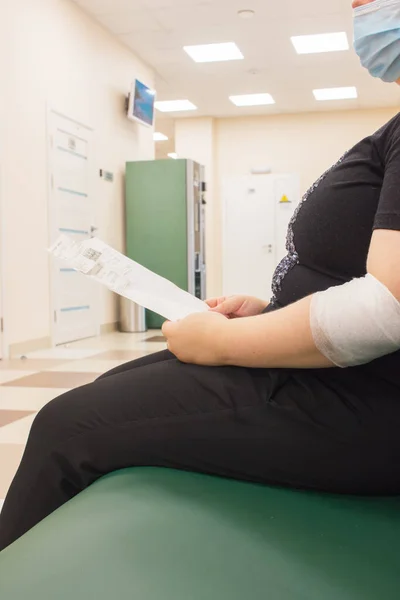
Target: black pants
{"type": "Point", "coordinates": [325, 430]}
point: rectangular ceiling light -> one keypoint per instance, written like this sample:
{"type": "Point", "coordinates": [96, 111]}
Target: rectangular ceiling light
{"type": "Point", "coordinates": [175, 106]}
{"type": "Point", "coordinates": [252, 100]}
{"type": "Point", "coordinates": [214, 52]}
{"type": "Point", "coordinates": [343, 93]}
{"type": "Point", "coordinates": [159, 137]}
{"type": "Point", "coordinates": [326, 42]}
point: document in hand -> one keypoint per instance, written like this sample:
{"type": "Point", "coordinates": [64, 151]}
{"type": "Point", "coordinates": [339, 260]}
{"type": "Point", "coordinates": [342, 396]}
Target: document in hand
{"type": "Point", "coordinates": [127, 278]}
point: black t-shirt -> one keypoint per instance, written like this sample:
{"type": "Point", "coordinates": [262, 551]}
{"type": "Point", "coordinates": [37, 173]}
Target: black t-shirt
{"type": "Point", "coordinates": [330, 233]}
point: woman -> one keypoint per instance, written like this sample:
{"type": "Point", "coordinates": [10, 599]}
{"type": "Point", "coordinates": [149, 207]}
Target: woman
{"type": "Point", "coordinates": [261, 397]}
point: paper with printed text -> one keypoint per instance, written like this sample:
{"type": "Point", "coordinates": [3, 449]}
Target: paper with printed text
{"type": "Point", "coordinates": [127, 278]}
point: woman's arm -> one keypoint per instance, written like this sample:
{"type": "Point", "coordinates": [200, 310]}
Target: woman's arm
{"type": "Point", "coordinates": [283, 338]}
{"type": "Point", "coordinates": [280, 339]}
{"type": "Point", "coordinates": [384, 259]}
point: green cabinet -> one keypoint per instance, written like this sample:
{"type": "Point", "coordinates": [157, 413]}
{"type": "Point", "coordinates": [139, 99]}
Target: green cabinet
{"type": "Point", "coordinates": [165, 223]}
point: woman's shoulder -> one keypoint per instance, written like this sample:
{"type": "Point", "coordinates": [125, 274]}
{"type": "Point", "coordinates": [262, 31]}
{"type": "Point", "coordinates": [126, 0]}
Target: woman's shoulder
{"type": "Point", "coordinates": [387, 137]}
{"type": "Point", "coordinates": [394, 123]}
{"type": "Point", "coordinates": [390, 127]}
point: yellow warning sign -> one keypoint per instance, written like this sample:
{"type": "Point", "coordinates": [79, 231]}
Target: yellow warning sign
{"type": "Point", "coordinates": [284, 199]}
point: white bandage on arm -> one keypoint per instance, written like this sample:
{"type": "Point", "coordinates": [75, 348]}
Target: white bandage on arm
{"type": "Point", "coordinates": [355, 323]}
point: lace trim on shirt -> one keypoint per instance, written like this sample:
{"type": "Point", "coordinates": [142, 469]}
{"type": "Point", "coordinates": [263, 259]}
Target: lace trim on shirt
{"type": "Point", "coordinates": [292, 258]}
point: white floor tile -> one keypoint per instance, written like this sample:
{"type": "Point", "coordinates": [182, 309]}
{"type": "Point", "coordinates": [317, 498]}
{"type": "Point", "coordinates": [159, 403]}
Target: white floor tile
{"type": "Point", "coordinates": [88, 366]}
{"type": "Point", "coordinates": [10, 459]}
{"type": "Point", "coordinates": [6, 376]}
{"type": "Point", "coordinates": [152, 346]}
{"type": "Point", "coordinates": [92, 346]}
{"type": "Point", "coordinates": [20, 398]}
{"type": "Point", "coordinates": [17, 432]}
{"type": "Point", "coordinates": [64, 353]}
{"type": "Point", "coordinates": [116, 341]}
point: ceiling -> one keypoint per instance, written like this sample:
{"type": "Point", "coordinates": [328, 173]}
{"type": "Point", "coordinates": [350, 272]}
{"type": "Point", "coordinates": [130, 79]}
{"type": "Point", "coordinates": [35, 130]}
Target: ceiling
{"type": "Point", "coordinates": [157, 30]}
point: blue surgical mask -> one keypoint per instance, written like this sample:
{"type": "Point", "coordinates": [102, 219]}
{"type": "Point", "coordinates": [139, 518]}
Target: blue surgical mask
{"type": "Point", "coordinates": [377, 38]}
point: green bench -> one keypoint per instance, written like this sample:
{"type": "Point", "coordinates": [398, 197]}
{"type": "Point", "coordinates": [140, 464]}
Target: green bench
{"type": "Point", "coordinates": [155, 534]}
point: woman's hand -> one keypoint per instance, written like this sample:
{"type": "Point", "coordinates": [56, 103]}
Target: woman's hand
{"type": "Point", "coordinates": [199, 339]}
{"type": "Point", "coordinates": [235, 307]}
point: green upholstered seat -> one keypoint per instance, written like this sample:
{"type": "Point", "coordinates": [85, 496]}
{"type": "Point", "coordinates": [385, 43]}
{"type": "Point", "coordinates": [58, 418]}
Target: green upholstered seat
{"type": "Point", "coordinates": [155, 534]}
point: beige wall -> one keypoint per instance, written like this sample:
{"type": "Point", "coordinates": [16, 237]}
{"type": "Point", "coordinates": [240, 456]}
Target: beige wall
{"type": "Point", "coordinates": [54, 56]}
{"type": "Point", "coordinates": [307, 144]}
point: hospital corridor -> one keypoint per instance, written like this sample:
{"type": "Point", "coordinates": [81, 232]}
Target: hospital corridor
{"type": "Point", "coordinates": [200, 300]}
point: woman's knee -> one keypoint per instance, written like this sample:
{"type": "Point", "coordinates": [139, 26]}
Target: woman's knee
{"type": "Point", "coordinates": [57, 419]}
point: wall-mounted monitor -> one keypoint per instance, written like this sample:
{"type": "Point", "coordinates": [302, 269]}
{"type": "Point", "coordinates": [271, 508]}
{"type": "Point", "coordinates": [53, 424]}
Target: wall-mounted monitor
{"type": "Point", "coordinates": [141, 103]}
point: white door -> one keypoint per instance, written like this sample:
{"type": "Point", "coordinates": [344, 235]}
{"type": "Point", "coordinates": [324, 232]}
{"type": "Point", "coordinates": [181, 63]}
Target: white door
{"type": "Point", "coordinates": [74, 307]}
{"type": "Point", "coordinates": [255, 219]}
{"type": "Point", "coordinates": [249, 236]}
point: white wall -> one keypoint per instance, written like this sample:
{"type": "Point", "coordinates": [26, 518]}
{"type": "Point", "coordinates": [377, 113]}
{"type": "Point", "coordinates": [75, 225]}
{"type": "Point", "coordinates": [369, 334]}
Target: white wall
{"type": "Point", "coordinates": [57, 57]}
{"type": "Point", "coordinates": [306, 144]}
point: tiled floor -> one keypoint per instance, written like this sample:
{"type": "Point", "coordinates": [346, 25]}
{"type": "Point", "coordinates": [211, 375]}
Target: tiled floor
{"type": "Point", "coordinates": [29, 383]}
